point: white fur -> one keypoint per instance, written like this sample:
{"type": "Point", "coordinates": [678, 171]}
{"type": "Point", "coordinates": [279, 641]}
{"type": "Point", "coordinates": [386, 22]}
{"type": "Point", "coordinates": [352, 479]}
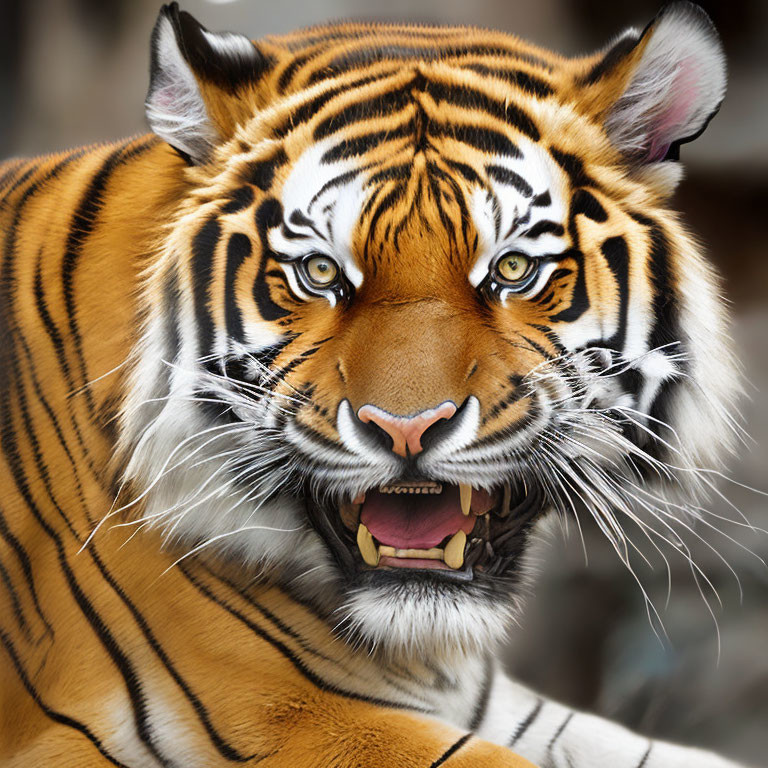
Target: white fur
{"type": "Point", "coordinates": [677, 85]}
{"type": "Point", "coordinates": [332, 229]}
{"type": "Point", "coordinates": [538, 169]}
{"type": "Point", "coordinates": [175, 108]}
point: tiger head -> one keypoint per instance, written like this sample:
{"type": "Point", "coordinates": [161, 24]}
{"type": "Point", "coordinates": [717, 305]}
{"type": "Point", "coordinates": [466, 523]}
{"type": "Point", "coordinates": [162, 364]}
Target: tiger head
{"type": "Point", "coordinates": [423, 287]}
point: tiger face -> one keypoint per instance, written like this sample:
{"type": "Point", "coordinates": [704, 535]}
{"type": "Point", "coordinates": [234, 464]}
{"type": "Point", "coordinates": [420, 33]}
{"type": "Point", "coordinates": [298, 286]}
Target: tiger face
{"type": "Point", "coordinates": [424, 289]}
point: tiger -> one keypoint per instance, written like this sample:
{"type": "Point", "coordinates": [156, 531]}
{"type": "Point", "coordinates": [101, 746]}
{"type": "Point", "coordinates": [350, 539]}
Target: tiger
{"type": "Point", "coordinates": [292, 384]}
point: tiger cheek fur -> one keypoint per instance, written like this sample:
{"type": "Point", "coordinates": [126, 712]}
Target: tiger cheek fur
{"type": "Point", "coordinates": [313, 363]}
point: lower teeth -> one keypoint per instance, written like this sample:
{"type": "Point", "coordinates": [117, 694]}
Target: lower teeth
{"type": "Point", "coordinates": [452, 555]}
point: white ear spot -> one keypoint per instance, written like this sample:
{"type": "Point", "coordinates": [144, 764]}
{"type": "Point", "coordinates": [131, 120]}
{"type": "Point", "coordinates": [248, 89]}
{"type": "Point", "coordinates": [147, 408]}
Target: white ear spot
{"type": "Point", "coordinates": [676, 88]}
{"type": "Point", "coordinates": [174, 107]}
{"type": "Point", "coordinates": [230, 45]}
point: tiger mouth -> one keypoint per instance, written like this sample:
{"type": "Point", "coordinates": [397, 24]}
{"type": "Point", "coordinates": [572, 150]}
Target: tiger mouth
{"type": "Point", "coordinates": [444, 530]}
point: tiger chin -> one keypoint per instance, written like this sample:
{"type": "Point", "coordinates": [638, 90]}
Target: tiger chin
{"type": "Point", "coordinates": [371, 305]}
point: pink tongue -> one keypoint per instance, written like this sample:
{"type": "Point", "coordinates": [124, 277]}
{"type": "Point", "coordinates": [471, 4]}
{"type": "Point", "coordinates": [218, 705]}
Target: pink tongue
{"type": "Point", "coordinates": [414, 521]}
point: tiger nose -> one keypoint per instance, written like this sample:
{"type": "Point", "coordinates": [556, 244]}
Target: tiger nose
{"type": "Point", "coordinates": [406, 431]}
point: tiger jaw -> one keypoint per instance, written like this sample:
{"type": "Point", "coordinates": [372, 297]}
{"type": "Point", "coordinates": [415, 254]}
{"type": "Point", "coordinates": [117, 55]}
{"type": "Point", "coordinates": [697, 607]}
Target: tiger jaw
{"type": "Point", "coordinates": [449, 532]}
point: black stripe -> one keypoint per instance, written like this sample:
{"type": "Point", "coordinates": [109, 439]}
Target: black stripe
{"type": "Point", "coordinates": [526, 723]}
{"type": "Point", "coordinates": [336, 181]}
{"type": "Point", "coordinates": [7, 352]}
{"type": "Point", "coordinates": [238, 250]}
{"type": "Point", "coordinates": [450, 222]}
{"type": "Point", "coordinates": [382, 104]}
{"type": "Point", "coordinates": [261, 173]}
{"type": "Point", "coordinates": [12, 168]}
{"type": "Point", "coordinates": [574, 167]}
{"type": "Point", "coordinates": [610, 61]}
{"type": "Point", "coordinates": [467, 171]}
{"type": "Point", "coordinates": [82, 225]}
{"type": "Point", "coordinates": [224, 748]}
{"type": "Point", "coordinates": [616, 254]}
{"type": "Point", "coordinates": [559, 732]}
{"type": "Point", "coordinates": [666, 328]}
{"type": "Point", "coordinates": [312, 107]}
{"type": "Point", "coordinates": [585, 203]}
{"type": "Point", "coordinates": [362, 56]}
{"type": "Point", "coordinates": [481, 705]}
{"type": "Point", "coordinates": [471, 98]}
{"type": "Point", "coordinates": [43, 400]}
{"type": "Point", "coordinates": [542, 200]}
{"type": "Point", "coordinates": [283, 649]}
{"type": "Point", "coordinates": [523, 80]}
{"type": "Point", "coordinates": [382, 206]}
{"type": "Point", "coordinates": [61, 356]}
{"type": "Point", "coordinates": [267, 355]}
{"type": "Point", "coordinates": [290, 70]}
{"type": "Point", "coordinates": [34, 444]}
{"type": "Point", "coordinates": [646, 755]}
{"type": "Point", "coordinates": [276, 620]}
{"type": "Point", "coordinates": [18, 613]}
{"type": "Point", "coordinates": [485, 139]}
{"type": "Point", "coordinates": [203, 252]}
{"type": "Point", "coordinates": [21, 180]}
{"type": "Point", "coordinates": [510, 178]}
{"type": "Point", "coordinates": [280, 374]}
{"type": "Point", "coordinates": [50, 713]}
{"type": "Point", "coordinates": [239, 200]}
{"type": "Point", "coordinates": [133, 685]}
{"type": "Point", "coordinates": [452, 750]}
{"type": "Point", "coordinates": [26, 568]}
{"type": "Point", "coordinates": [268, 215]}
{"type": "Point", "coordinates": [359, 145]}
{"type": "Point", "coordinates": [544, 227]}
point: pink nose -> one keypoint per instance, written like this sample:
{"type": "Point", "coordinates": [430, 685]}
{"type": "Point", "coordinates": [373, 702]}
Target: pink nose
{"type": "Point", "coordinates": [406, 431]}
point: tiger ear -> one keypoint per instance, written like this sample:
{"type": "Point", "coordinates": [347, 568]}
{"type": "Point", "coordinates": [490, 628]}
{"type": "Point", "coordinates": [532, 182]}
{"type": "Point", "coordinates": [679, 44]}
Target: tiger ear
{"type": "Point", "coordinates": [658, 89]}
{"type": "Point", "coordinates": [198, 90]}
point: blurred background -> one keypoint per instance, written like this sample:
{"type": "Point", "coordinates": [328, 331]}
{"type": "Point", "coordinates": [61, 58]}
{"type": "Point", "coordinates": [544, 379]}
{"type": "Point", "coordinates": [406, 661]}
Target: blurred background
{"type": "Point", "coordinates": [75, 71]}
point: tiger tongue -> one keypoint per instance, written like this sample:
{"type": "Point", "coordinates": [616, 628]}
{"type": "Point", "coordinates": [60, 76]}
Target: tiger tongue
{"type": "Point", "coordinates": [414, 521]}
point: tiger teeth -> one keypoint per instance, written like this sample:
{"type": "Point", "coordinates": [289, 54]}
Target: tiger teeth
{"type": "Point", "coordinates": [465, 493]}
{"type": "Point", "coordinates": [367, 546]}
{"type": "Point", "coordinates": [422, 554]}
{"type": "Point", "coordinates": [412, 487]}
{"type": "Point", "coordinates": [453, 554]}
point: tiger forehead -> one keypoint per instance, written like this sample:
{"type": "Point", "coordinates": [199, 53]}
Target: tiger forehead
{"type": "Point", "coordinates": [418, 163]}
{"type": "Point", "coordinates": [310, 55]}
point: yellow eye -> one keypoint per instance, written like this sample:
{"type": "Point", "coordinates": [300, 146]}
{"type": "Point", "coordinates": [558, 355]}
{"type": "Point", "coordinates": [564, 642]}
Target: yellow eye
{"type": "Point", "coordinates": [321, 271]}
{"type": "Point", "coordinates": [513, 267]}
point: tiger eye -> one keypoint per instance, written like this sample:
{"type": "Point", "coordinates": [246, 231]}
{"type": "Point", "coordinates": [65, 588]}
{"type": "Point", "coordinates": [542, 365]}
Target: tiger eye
{"type": "Point", "coordinates": [513, 267]}
{"type": "Point", "coordinates": [321, 270]}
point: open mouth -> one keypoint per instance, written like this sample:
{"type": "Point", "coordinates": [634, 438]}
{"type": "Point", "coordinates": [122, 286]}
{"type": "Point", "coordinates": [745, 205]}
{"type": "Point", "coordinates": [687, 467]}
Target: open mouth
{"type": "Point", "coordinates": [451, 531]}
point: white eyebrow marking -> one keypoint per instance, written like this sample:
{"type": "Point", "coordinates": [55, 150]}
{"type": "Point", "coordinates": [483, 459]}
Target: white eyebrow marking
{"type": "Point", "coordinates": [539, 171]}
{"type": "Point", "coordinates": [335, 211]}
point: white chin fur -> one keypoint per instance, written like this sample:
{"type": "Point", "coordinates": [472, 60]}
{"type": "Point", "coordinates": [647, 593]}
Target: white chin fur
{"type": "Point", "coordinates": [418, 620]}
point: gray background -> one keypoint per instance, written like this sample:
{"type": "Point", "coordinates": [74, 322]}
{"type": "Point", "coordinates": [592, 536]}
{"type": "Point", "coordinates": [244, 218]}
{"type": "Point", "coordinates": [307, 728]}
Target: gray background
{"type": "Point", "coordinates": [75, 71]}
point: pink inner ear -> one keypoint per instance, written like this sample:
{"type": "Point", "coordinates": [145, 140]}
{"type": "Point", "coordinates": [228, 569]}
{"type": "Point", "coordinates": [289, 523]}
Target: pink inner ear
{"type": "Point", "coordinates": [166, 97]}
{"type": "Point", "coordinates": [679, 108]}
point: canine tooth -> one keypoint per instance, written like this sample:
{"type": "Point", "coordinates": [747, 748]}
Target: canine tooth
{"type": "Point", "coordinates": [367, 546]}
{"type": "Point", "coordinates": [454, 550]}
{"type": "Point", "coordinates": [465, 493]}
